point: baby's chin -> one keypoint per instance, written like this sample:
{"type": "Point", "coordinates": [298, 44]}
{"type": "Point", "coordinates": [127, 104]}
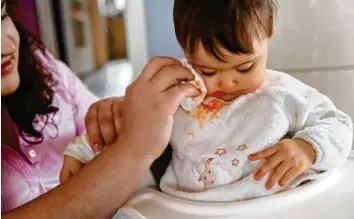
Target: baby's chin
{"type": "Point", "coordinates": [232, 96]}
{"type": "Point", "coordinates": [227, 98]}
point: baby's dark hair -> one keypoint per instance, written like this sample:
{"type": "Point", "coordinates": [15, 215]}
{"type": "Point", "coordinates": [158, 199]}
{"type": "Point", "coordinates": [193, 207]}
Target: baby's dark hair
{"type": "Point", "coordinates": [228, 24]}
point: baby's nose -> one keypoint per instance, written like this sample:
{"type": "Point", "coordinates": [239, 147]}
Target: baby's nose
{"type": "Point", "coordinates": [227, 83]}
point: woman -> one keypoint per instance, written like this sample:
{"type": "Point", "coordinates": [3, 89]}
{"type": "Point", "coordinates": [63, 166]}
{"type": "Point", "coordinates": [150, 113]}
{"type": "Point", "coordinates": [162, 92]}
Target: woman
{"type": "Point", "coordinates": [43, 108]}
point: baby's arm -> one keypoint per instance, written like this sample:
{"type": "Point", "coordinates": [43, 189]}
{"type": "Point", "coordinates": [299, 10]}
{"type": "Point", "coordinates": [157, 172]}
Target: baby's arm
{"type": "Point", "coordinates": [77, 153]}
{"type": "Point", "coordinates": [80, 149]}
{"type": "Point", "coordinates": [317, 121]}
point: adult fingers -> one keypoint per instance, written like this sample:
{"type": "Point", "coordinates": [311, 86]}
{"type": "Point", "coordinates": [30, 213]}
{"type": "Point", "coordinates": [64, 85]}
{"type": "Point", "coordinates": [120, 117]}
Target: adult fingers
{"type": "Point", "coordinates": [171, 75]}
{"type": "Point", "coordinates": [155, 65]}
{"type": "Point", "coordinates": [117, 105]}
{"type": "Point", "coordinates": [92, 127]}
{"type": "Point", "coordinates": [106, 122]}
{"type": "Point", "coordinates": [178, 92]}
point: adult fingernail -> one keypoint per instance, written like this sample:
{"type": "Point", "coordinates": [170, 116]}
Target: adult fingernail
{"type": "Point", "coordinates": [96, 147]}
{"type": "Point", "coordinates": [251, 156]}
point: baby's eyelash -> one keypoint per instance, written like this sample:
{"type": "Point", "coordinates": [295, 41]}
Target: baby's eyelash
{"type": "Point", "coordinates": [208, 74]}
{"type": "Point", "coordinates": [246, 70]}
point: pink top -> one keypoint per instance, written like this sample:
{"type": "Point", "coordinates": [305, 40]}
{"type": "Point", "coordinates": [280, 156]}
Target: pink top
{"type": "Point", "coordinates": [29, 175]}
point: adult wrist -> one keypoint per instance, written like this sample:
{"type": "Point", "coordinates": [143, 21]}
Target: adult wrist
{"type": "Point", "coordinates": [133, 150]}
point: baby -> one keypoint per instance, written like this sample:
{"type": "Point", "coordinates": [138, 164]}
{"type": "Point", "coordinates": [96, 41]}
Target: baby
{"type": "Point", "coordinates": [253, 132]}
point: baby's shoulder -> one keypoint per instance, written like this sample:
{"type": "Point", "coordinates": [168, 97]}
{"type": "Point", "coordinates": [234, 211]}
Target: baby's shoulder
{"type": "Point", "coordinates": [277, 79]}
{"type": "Point", "coordinates": [281, 85]}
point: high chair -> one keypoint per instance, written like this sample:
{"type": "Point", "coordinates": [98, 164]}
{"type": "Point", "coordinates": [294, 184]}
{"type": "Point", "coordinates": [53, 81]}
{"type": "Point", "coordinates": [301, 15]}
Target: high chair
{"type": "Point", "coordinates": [331, 197]}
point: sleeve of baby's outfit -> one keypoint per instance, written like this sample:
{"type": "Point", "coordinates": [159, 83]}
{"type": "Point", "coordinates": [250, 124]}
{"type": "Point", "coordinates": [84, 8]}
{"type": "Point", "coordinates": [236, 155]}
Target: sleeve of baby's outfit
{"type": "Point", "coordinates": [80, 149]}
{"type": "Point", "coordinates": [316, 120]}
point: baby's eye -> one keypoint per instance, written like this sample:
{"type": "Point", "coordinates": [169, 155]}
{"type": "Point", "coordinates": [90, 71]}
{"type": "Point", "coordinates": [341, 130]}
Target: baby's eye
{"type": "Point", "coordinates": [246, 70]}
{"type": "Point", "coordinates": [209, 74]}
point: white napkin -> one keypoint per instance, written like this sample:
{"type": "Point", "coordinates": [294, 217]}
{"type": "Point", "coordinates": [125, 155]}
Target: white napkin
{"type": "Point", "coordinates": [191, 103]}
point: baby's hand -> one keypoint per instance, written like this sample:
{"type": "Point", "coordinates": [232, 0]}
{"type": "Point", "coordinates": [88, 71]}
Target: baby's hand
{"type": "Point", "coordinates": [286, 160]}
{"type": "Point", "coordinates": [70, 167]}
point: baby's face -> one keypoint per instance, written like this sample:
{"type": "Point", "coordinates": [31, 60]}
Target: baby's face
{"type": "Point", "coordinates": [240, 74]}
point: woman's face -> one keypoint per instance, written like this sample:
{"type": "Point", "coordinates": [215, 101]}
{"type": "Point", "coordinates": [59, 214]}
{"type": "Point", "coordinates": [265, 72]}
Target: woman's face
{"type": "Point", "coordinates": [10, 42]}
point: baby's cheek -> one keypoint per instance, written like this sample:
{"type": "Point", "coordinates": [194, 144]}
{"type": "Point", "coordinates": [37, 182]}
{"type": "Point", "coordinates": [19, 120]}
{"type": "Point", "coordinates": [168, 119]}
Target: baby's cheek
{"type": "Point", "coordinates": [254, 81]}
{"type": "Point", "coordinates": [211, 84]}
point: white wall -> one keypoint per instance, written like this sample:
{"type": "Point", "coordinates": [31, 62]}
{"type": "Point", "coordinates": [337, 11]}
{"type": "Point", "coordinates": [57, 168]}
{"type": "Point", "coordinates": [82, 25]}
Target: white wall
{"type": "Point", "coordinates": [46, 22]}
{"type": "Point", "coordinates": [136, 34]}
{"type": "Point", "coordinates": [135, 30]}
{"type": "Point", "coordinates": [80, 59]}
{"type": "Point", "coordinates": [160, 29]}
{"type": "Point", "coordinates": [314, 42]}
{"type": "Point", "coordinates": [313, 33]}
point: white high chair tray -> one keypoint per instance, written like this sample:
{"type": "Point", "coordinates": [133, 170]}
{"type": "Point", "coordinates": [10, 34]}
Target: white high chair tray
{"type": "Point", "coordinates": [329, 198]}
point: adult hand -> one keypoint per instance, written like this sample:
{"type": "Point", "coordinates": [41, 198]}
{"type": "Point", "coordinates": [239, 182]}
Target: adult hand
{"type": "Point", "coordinates": [149, 105]}
{"type": "Point", "coordinates": [102, 122]}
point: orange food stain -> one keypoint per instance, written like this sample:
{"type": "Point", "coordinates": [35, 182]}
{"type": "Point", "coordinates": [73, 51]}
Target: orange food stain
{"type": "Point", "coordinates": [214, 105]}
{"type": "Point", "coordinates": [208, 111]}
{"type": "Point", "coordinates": [189, 132]}
{"type": "Point", "coordinates": [175, 189]}
{"type": "Point", "coordinates": [199, 85]}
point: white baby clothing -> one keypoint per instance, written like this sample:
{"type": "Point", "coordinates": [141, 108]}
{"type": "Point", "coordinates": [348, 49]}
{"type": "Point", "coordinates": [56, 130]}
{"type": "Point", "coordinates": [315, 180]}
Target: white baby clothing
{"type": "Point", "coordinates": [80, 149]}
{"type": "Point", "coordinates": [211, 142]}
{"type": "Point", "coordinates": [212, 139]}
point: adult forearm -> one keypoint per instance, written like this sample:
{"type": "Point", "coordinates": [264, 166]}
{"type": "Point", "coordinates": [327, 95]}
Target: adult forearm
{"type": "Point", "coordinates": [97, 191]}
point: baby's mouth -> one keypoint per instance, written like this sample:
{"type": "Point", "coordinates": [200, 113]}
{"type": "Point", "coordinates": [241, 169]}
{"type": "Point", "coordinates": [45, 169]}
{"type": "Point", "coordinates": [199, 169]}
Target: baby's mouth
{"type": "Point", "coordinates": [225, 96]}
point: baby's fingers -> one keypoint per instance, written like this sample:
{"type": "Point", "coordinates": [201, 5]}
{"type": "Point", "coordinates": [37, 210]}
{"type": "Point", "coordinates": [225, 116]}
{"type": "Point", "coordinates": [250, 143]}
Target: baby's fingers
{"type": "Point", "coordinates": [268, 152]}
{"type": "Point", "coordinates": [64, 175]}
{"type": "Point", "coordinates": [289, 176]}
{"type": "Point", "coordinates": [268, 166]}
{"type": "Point", "coordinates": [70, 167]}
{"type": "Point", "coordinates": [279, 173]}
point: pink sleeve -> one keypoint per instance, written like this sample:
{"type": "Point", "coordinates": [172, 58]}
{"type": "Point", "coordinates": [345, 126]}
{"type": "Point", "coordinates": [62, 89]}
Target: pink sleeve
{"type": "Point", "coordinates": [81, 97]}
